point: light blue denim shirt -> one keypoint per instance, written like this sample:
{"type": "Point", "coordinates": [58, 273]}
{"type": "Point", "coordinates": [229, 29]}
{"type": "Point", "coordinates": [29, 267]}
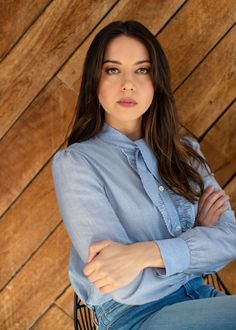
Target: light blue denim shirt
{"type": "Point", "coordinates": [108, 188]}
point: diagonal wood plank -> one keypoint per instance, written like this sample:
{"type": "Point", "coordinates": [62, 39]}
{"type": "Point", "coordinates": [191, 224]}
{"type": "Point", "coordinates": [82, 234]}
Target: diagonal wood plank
{"type": "Point", "coordinates": [219, 146]}
{"type": "Point", "coordinates": [196, 41]}
{"type": "Point", "coordinates": [31, 292]}
{"type": "Point", "coordinates": [24, 228]}
{"type": "Point", "coordinates": [19, 218]}
{"type": "Point", "coordinates": [193, 32]}
{"type": "Point", "coordinates": [210, 89]}
{"type": "Point", "coordinates": [33, 139]}
{"type": "Point", "coordinates": [152, 14]}
{"type": "Point", "coordinates": [66, 301]}
{"type": "Point", "coordinates": [16, 17]}
{"type": "Point", "coordinates": [54, 319]}
{"type": "Point", "coordinates": [57, 129]}
{"type": "Point", "coordinates": [41, 52]}
{"type": "Point", "coordinates": [231, 190]}
{"type": "Point", "coordinates": [228, 275]}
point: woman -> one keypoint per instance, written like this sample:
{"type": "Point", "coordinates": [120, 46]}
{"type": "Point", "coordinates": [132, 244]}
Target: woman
{"type": "Point", "coordinates": [145, 216]}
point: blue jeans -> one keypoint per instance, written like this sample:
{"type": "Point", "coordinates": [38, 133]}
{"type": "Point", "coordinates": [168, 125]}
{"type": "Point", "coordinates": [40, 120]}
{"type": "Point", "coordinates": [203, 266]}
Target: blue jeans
{"type": "Point", "coordinates": [191, 307]}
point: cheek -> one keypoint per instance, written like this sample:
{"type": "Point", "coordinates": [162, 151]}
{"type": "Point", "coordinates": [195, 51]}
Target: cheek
{"type": "Point", "coordinates": [103, 90]}
{"type": "Point", "coordinates": [148, 91]}
{"type": "Point", "coordinates": [108, 91]}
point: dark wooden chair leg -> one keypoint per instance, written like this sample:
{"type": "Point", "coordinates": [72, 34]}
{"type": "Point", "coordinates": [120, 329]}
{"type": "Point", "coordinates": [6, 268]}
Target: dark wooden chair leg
{"type": "Point", "coordinates": [84, 319]}
{"type": "Point", "coordinates": [215, 280]}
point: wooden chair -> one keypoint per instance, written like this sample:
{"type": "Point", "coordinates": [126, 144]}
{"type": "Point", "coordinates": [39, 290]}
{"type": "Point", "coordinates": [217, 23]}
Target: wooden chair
{"type": "Point", "coordinates": [85, 318]}
{"type": "Point", "coordinates": [216, 281]}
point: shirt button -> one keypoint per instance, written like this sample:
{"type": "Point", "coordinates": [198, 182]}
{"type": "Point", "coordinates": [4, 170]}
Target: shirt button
{"type": "Point", "coordinates": [161, 188]}
{"type": "Point", "coordinates": [178, 228]}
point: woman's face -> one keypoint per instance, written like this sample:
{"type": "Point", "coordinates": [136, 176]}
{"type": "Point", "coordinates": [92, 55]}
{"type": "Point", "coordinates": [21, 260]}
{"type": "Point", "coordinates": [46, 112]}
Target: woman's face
{"type": "Point", "coordinates": [126, 78]}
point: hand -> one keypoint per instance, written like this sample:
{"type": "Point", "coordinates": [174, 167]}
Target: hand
{"type": "Point", "coordinates": [211, 206]}
{"type": "Point", "coordinates": [115, 265]}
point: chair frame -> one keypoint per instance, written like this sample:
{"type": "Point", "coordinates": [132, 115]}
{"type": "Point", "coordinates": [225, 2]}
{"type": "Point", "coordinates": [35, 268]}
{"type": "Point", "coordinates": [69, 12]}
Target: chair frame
{"type": "Point", "coordinates": [88, 317]}
{"type": "Point", "coordinates": [88, 320]}
{"type": "Point", "coordinates": [216, 282]}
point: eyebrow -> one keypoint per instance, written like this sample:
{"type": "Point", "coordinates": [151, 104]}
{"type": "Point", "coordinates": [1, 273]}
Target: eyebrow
{"type": "Point", "coordinates": [117, 62]}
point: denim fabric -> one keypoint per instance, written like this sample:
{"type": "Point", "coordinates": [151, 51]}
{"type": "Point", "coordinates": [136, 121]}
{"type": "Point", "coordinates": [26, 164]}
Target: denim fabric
{"type": "Point", "coordinates": [109, 188]}
{"type": "Point", "coordinates": [194, 306]}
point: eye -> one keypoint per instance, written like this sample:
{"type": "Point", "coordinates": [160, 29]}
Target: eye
{"type": "Point", "coordinates": [113, 70]}
{"type": "Point", "coordinates": [145, 70]}
{"type": "Point", "coordinates": [110, 70]}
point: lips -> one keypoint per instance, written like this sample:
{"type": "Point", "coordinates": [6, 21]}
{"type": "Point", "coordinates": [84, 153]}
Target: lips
{"type": "Point", "coordinates": [127, 100]}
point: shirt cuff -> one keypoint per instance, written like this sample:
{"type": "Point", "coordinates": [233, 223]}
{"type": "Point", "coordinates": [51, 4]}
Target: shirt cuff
{"type": "Point", "coordinates": [175, 254]}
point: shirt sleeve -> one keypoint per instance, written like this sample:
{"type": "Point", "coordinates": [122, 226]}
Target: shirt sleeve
{"type": "Point", "coordinates": [89, 217]}
{"type": "Point", "coordinates": [201, 249]}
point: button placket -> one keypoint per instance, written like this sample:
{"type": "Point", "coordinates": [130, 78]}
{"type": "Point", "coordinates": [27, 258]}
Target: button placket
{"type": "Point", "coordinates": [131, 161]}
{"type": "Point", "coordinates": [185, 210]}
{"type": "Point", "coordinates": [175, 224]}
{"type": "Point", "coordinates": [161, 188]}
{"type": "Point", "coordinates": [150, 187]}
{"type": "Point", "coordinates": [168, 206]}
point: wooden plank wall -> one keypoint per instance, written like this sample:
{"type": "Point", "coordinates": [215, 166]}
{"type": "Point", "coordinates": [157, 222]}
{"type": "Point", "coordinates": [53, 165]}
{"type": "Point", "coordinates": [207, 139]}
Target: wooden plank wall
{"type": "Point", "coordinates": [43, 44]}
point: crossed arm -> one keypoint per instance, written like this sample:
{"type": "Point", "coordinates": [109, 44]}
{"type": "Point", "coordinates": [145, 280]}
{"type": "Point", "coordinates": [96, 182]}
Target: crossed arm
{"type": "Point", "coordinates": [86, 211]}
{"type": "Point", "coordinates": [111, 265]}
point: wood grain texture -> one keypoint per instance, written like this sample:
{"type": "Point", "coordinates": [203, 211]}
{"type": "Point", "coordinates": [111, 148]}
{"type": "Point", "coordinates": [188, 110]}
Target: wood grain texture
{"type": "Point", "coordinates": [39, 84]}
{"type": "Point", "coordinates": [41, 52]}
{"type": "Point", "coordinates": [197, 28]}
{"type": "Point", "coordinates": [66, 301]}
{"type": "Point", "coordinates": [210, 89]}
{"type": "Point", "coordinates": [150, 13]}
{"type": "Point", "coordinates": [38, 283]}
{"type": "Point", "coordinates": [54, 319]}
{"type": "Point", "coordinates": [228, 274]}
{"type": "Point", "coordinates": [27, 224]}
{"type": "Point", "coordinates": [219, 145]}
{"type": "Point", "coordinates": [16, 17]}
{"type": "Point", "coordinates": [32, 140]}
{"type": "Point", "coordinates": [231, 190]}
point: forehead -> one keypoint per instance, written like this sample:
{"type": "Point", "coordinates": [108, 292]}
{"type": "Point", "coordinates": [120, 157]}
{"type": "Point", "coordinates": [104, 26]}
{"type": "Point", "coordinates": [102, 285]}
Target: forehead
{"type": "Point", "coordinates": [126, 48]}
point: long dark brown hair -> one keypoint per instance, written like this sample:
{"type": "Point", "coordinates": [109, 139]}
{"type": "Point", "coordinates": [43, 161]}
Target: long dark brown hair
{"type": "Point", "coordinates": [160, 124]}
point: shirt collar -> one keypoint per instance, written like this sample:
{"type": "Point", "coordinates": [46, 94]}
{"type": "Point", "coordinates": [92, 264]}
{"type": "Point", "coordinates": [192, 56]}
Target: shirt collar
{"type": "Point", "coordinates": [111, 135]}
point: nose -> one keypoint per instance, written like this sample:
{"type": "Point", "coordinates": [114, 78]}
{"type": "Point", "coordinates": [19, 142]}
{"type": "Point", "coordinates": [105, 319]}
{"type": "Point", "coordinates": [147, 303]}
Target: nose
{"type": "Point", "coordinates": [124, 88]}
{"type": "Point", "coordinates": [127, 85]}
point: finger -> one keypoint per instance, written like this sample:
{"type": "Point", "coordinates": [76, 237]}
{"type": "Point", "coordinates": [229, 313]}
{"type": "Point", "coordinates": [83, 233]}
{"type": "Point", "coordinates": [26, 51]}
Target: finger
{"type": "Point", "coordinates": [95, 276]}
{"type": "Point", "coordinates": [107, 289]}
{"type": "Point", "coordinates": [88, 269]}
{"type": "Point", "coordinates": [220, 202]}
{"type": "Point", "coordinates": [206, 193]}
{"type": "Point", "coordinates": [96, 247]}
{"type": "Point", "coordinates": [102, 282]}
{"type": "Point", "coordinates": [91, 256]}
{"type": "Point", "coordinates": [214, 215]}
{"type": "Point", "coordinates": [210, 201]}
{"type": "Point", "coordinates": [220, 211]}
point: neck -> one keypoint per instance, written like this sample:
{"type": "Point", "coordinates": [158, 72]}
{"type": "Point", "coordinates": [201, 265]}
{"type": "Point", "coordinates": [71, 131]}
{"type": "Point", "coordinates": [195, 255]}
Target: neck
{"type": "Point", "coordinates": [129, 128]}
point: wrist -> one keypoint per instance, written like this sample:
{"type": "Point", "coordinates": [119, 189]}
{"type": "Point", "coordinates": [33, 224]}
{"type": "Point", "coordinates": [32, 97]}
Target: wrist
{"type": "Point", "coordinates": [150, 255]}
